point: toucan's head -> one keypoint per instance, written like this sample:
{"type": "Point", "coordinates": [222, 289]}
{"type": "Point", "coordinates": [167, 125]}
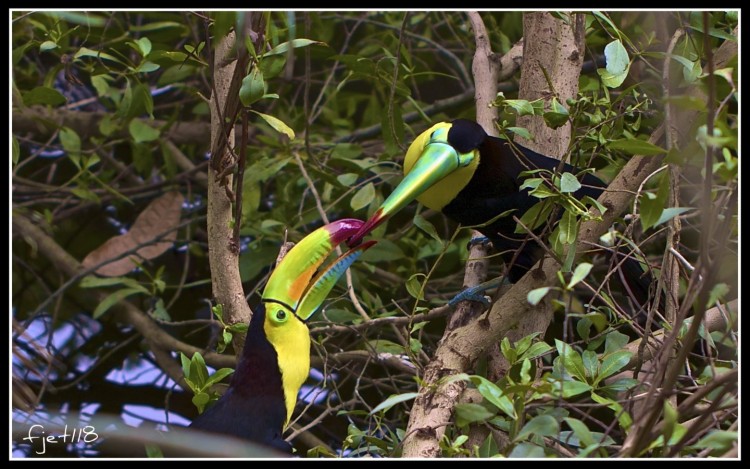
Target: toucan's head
{"type": "Point", "coordinates": [439, 163]}
{"type": "Point", "coordinates": [295, 290]}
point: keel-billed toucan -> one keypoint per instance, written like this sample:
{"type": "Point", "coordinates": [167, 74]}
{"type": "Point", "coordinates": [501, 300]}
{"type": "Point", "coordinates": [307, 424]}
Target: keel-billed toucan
{"type": "Point", "coordinates": [275, 360]}
{"type": "Point", "coordinates": [471, 177]}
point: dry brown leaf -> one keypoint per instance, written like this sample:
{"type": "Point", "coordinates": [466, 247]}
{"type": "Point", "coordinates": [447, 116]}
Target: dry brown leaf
{"type": "Point", "coordinates": [159, 216]}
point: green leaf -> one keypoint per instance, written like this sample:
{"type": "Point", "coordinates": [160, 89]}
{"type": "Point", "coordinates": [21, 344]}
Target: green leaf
{"type": "Point", "coordinates": [424, 225]}
{"type": "Point", "coordinates": [385, 251]}
{"type": "Point", "coordinates": [494, 395]}
{"type": "Point", "coordinates": [385, 346]}
{"type": "Point", "coordinates": [47, 45]}
{"type": "Point", "coordinates": [719, 291]}
{"type": "Point", "coordinates": [83, 18]}
{"type": "Point", "coordinates": [521, 106]}
{"type": "Point", "coordinates": [113, 299]}
{"type": "Point", "coordinates": [44, 95]}
{"type": "Point", "coordinates": [536, 350]}
{"type": "Point", "coordinates": [155, 26]}
{"type": "Point", "coordinates": [185, 361]}
{"type": "Point", "coordinates": [719, 440]}
{"type": "Point", "coordinates": [541, 425]}
{"type": "Point", "coordinates": [569, 183]}
{"type": "Point", "coordinates": [226, 339]}
{"type": "Point", "coordinates": [590, 363]}
{"type": "Point", "coordinates": [542, 191]}
{"type": "Point", "coordinates": [569, 389]}
{"type": "Point", "coordinates": [536, 295]}
{"type": "Point", "coordinates": [582, 270]}
{"type": "Point", "coordinates": [153, 451]}
{"type": "Point", "coordinates": [521, 132]}
{"type": "Point", "coordinates": [415, 345]}
{"type": "Point", "coordinates": [621, 385]}
{"type": "Point", "coordinates": [142, 132]}
{"type": "Point", "coordinates": [277, 124]}
{"type": "Point", "coordinates": [253, 87]}
{"type": "Point", "coordinates": [144, 45]}
{"type": "Point", "coordinates": [671, 212]}
{"type": "Point", "coordinates": [295, 44]}
{"type": "Point", "coordinates": [147, 67]}
{"type": "Point", "coordinates": [71, 142]}
{"type": "Point", "coordinates": [692, 72]}
{"type": "Point", "coordinates": [198, 370]}
{"type": "Point", "coordinates": [91, 281]}
{"type": "Point", "coordinates": [634, 146]}
{"type": "Point", "coordinates": [583, 328]}
{"type": "Point", "coordinates": [508, 351]}
{"type": "Point", "coordinates": [488, 448]}
{"type": "Point", "coordinates": [572, 360]}
{"type": "Point", "coordinates": [98, 55]}
{"type": "Point", "coordinates": [527, 450]}
{"type": "Point", "coordinates": [557, 117]}
{"type": "Point", "coordinates": [218, 376]}
{"type": "Point", "coordinates": [200, 400]}
{"type": "Point", "coordinates": [568, 228]}
{"type": "Point", "coordinates": [613, 362]}
{"type": "Point", "coordinates": [347, 179]}
{"type": "Point", "coordinates": [670, 420]}
{"type": "Point", "coordinates": [414, 287]}
{"type": "Point", "coordinates": [534, 217]}
{"type": "Point", "coordinates": [581, 431]}
{"type": "Point", "coordinates": [363, 197]}
{"type": "Point", "coordinates": [15, 151]}
{"type": "Point", "coordinates": [616, 57]}
{"type": "Point", "coordinates": [467, 413]}
{"type": "Point", "coordinates": [100, 84]}
{"type": "Point", "coordinates": [618, 64]}
{"type": "Point", "coordinates": [652, 208]}
{"type": "Point", "coordinates": [393, 400]}
{"type": "Point", "coordinates": [159, 311]}
{"type": "Point", "coordinates": [615, 342]}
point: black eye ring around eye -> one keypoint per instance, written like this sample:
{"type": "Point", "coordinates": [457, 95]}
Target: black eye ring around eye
{"type": "Point", "coordinates": [280, 315]}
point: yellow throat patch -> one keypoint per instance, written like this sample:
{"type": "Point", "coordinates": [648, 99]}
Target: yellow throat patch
{"type": "Point", "coordinates": [290, 338]}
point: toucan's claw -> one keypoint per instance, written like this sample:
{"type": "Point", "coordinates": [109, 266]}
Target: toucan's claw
{"type": "Point", "coordinates": [479, 240]}
{"type": "Point", "coordinates": [476, 293]}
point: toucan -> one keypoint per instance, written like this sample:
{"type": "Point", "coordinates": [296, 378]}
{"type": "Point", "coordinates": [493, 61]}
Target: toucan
{"type": "Point", "coordinates": [275, 360]}
{"type": "Point", "coordinates": [477, 180]}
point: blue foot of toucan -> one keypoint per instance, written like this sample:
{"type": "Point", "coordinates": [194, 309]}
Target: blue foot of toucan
{"type": "Point", "coordinates": [476, 293]}
{"type": "Point", "coordinates": [483, 240]}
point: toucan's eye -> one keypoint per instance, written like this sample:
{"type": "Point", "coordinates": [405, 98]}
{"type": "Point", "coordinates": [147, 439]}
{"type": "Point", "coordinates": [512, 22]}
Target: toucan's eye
{"type": "Point", "coordinates": [279, 316]}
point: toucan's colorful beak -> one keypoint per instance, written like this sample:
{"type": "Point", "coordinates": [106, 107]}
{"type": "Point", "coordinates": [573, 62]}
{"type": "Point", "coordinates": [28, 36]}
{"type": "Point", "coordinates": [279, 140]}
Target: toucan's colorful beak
{"type": "Point", "coordinates": [299, 282]}
{"type": "Point", "coordinates": [438, 160]}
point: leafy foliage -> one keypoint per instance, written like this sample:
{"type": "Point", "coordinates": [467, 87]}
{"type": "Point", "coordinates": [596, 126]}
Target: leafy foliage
{"type": "Point", "coordinates": [110, 112]}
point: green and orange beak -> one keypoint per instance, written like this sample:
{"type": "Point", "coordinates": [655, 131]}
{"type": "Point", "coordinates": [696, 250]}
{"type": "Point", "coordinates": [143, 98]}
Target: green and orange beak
{"type": "Point", "coordinates": [437, 160]}
{"type": "Point", "coordinates": [299, 282]}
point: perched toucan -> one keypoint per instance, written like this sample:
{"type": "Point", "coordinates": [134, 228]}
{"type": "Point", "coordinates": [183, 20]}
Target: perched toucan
{"type": "Point", "coordinates": [471, 177]}
{"type": "Point", "coordinates": [275, 360]}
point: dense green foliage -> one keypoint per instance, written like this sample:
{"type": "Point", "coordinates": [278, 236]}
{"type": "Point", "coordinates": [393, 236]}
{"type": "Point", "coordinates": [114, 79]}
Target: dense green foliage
{"type": "Point", "coordinates": [111, 112]}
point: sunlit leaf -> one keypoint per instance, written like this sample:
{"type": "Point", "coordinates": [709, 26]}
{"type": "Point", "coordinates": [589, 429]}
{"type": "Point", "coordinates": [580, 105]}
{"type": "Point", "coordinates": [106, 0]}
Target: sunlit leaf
{"type": "Point", "coordinates": [393, 400]}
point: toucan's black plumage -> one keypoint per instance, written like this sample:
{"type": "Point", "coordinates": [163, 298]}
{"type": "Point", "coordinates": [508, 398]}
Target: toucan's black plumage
{"type": "Point", "coordinates": [472, 177]}
{"type": "Point", "coordinates": [495, 188]}
{"type": "Point", "coordinates": [253, 406]}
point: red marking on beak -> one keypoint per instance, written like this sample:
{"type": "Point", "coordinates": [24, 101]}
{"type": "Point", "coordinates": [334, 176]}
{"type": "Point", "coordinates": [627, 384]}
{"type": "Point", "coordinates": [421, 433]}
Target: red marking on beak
{"type": "Point", "coordinates": [376, 219]}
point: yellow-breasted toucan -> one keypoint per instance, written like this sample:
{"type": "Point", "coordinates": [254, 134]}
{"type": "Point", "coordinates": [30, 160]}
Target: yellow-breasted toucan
{"type": "Point", "coordinates": [471, 177]}
{"type": "Point", "coordinates": [275, 360]}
